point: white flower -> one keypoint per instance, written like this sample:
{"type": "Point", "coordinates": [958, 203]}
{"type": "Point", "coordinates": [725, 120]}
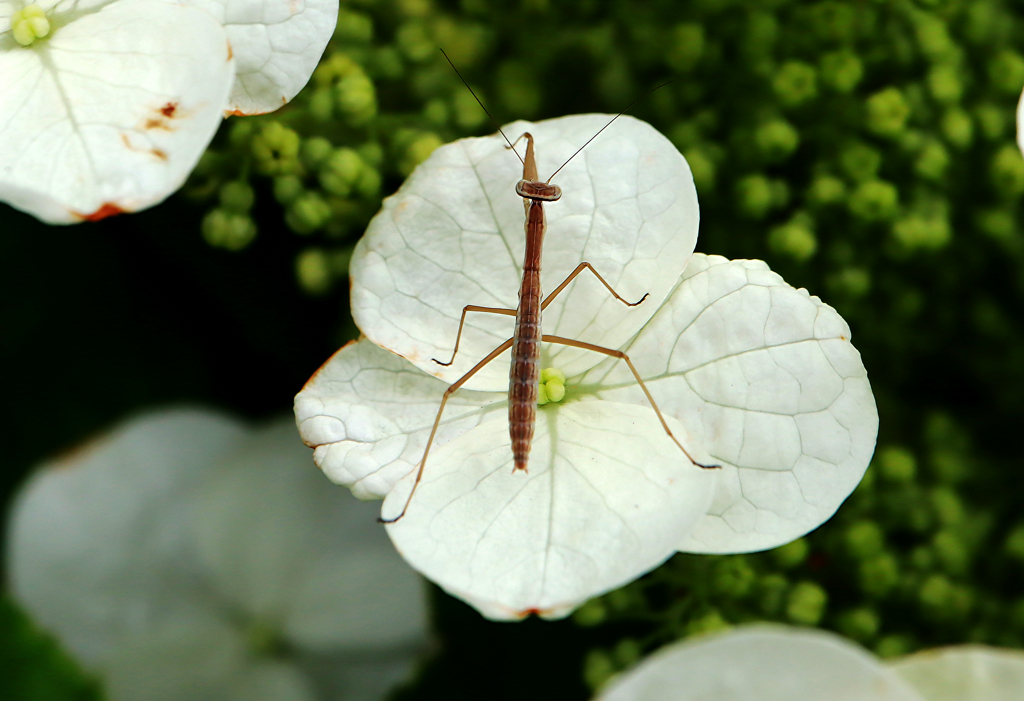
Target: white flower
{"type": "Point", "coordinates": [750, 373]}
{"type": "Point", "coordinates": [107, 105]}
{"type": "Point", "coordinates": [776, 663]}
{"type": "Point", "coordinates": [185, 556]}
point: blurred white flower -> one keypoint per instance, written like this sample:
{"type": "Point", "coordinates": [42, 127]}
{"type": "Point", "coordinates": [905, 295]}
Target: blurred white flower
{"type": "Point", "coordinates": [108, 104]}
{"type": "Point", "coordinates": [751, 374]}
{"type": "Point", "coordinates": [777, 663]}
{"type": "Point", "coordinates": [186, 556]}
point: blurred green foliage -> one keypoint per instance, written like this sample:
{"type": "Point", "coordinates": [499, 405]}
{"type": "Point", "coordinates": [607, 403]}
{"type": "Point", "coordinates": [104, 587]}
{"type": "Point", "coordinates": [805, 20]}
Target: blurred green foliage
{"type": "Point", "coordinates": [865, 149]}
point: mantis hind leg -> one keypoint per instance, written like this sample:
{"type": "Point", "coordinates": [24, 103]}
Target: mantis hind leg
{"type": "Point", "coordinates": [622, 356]}
{"type": "Point", "coordinates": [462, 322]}
{"type": "Point", "coordinates": [437, 421]}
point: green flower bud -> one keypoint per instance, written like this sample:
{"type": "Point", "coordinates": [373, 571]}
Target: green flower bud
{"type": "Point", "coordinates": [436, 112]}
{"type": "Point", "coordinates": [517, 87]}
{"type": "Point", "coordinates": [948, 506]}
{"type": "Point", "coordinates": [288, 188]}
{"type": "Point", "coordinates": [772, 590]}
{"type": "Point", "coordinates": [313, 271]}
{"type": "Point", "coordinates": [826, 190]}
{"type": "Point", "coordinates": [468, 114]}
{"type": "Point", "coordinates": [593, 613]}
{"type": "Point", "coordinates": [356, 98]}
{"type": "Point", "coordinates": [29, 24]}
{"type": "Point", "coordinates": [795, 238]}
{"type": "Point", "coordinates": [341, 172]}
{"type": "Point", "coordinates": [228, 230]}
{"type": "Point", "coordinates": [686, 46]}
{"type": "Point", "coordinates": [992, 119]}
{"type": "Point", "coordinates": [893, 646]}
{"type": "Point", "coordinates": [922, 231]}
{"type": "Point", "coordinates": [276, 150]}
{"type": "Point", "coordinates": [841, 71]}
{"type": "Point", "coordinates": [1000, 225]}
{"type": "Point", "coordinates": [860, 162]}
{"type": "Point", "coordinates": [806, 604]}
{"type": "Point", "coordinates": [702, 167]}
{"type": "Point", "coordinates": [864, 539]}
{"type": "Point", "coordinates": [958, 128]}
{"type": "Point", "coordinates": [414, 42]}
{"type": "Point", "coordinates": [852, 282]}
{"type": "Point", "coordinates": [944, 84]}
{"type": "Point", "coordinates": [1007, 171]}
{"type": "Point", "coordinates": [627, 652]}
{"type": "Point", "coordinates": [951, 552]}
{"type": "Point", "coordinates": [1015, 543]}
{"type": "Point", "coordinates": [933, 38]}
{"type": "Point", "coordinates": [861, 624]}
{"type": "Point", "coordinates": [932, 161]}
{"type": "Point", "coordinates": [241, 131]}
{"type": "Point", "coordinates": [732, 577]}
{"type": "Point", "coordinates": [795, 83]}
{"type": "Point", "coordinates": [418, 151]}
{"type": "Point", "coordinates": [791, 554]}
{"type": "Point", "coordinates": [368, 186]}
{"type": "Point", "coordinates": [307, 214]}
{"type": "Point", "coordinates": [874, 200]}
{"type": "Point", "coordinates": [316, 150]}
{"type": "Point", "coordinates": [710, 622]}
{"type": "Point", "coordinates": [321, 104]}
{"type": "Point", "coordinates": [754, 196]}
{"type": "Point", "coordinates": [878, 575]}
{"type": "Point", "coordinates": [597, 669]}
{"type": "Point", "coordinates": [353, 28]}
{"type": "Point", "coordinates": [833, 21]}
{"type": "Point", "coordinates": [887, 112]}
{"type": "Point", "coordinates": [897, 464]}
{"type": "Point", "coordinates": [1006, 72]}
{"type": "Point", "coordinates": [776, 140]}
{"type": "Point", "coordinates": [237, 196]}
{"type": "Point", "coordinates": [551, 387]}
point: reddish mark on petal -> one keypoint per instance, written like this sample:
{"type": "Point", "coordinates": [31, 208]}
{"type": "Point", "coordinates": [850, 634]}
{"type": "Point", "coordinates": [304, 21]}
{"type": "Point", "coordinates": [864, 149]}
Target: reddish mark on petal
{"type": "Point", "coordinates": [322, 367]}
{"type": "Point", "coordinates": [169, 109]}
{"type": "Point", "coordinates": [235, 113]}
{"type": "Point", "coordinates": [106, 210]}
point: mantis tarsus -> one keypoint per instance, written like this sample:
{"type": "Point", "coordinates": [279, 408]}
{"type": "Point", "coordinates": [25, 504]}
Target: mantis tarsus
{"type": "Point", "coordinates": [524, 373]}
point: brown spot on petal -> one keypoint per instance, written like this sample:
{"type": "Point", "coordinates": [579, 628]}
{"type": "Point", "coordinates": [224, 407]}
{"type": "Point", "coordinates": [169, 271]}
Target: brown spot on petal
{"type": "Point", "coordinates": [108, 209]}
{"type": "Point", "coordinates": [162, 116]}
{"type": "Point", "coordinates": [324, 365]}
{"type": "Point", "coordinates": [169, 109]}
{"type": "Point", "coordinates": [231, 52]}
{"type": "Point", "coordinates": [159, 153]}
{"type": "Point", "coordinates": [235, 113]}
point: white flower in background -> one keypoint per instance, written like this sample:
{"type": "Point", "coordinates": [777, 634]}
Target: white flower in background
{"type": "Point", "coordinates": [776, 663]}
{"type": "Point", "coordinates": [751, 374]}
{"type": "Point", "coordinates": [107, 105]}
{"type": "Point", "coordinates": [185, 556]}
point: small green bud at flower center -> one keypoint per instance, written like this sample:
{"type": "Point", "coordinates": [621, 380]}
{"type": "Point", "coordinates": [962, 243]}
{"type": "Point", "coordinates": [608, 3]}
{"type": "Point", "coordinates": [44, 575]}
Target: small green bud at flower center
{"type": "Point", "coordinates": [29, 24]}
{"type": "Point", "coordinates": [552, 386]}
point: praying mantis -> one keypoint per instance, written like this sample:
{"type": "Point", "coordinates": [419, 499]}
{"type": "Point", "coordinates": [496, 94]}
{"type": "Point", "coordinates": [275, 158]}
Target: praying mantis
{"type": "Point", "coordinates": [525, 343]}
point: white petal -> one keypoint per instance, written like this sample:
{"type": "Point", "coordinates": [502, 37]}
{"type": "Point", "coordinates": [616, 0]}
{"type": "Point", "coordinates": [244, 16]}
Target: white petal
{"type": "Point", "coordinates": [368, 414]}
{"type": "Point", "coordinates": [269, 681]}
{"type": "Point", "coordinates": [763, 662]}
{"type": "Point", "coordinates": [190, 658]}
{"type": "Point", "coordinates": [965, 673]}
{"type": "Point", "coordinates": [765, 378]}
{"type": "Point", "coordinates": [277, 44]}
{"type": "Point", "coordinates": [291, 550]}
{"type": "Point", "coordinates": [454, 235]}
{"type": "Point", "coordinates": [1020, 122]}
{"type": "Point", "coordinates": [98, 544]}
{"type": "Point", "coordinates": [110, 113]}
{"type": "Point", "coordinates": [605, 500]}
